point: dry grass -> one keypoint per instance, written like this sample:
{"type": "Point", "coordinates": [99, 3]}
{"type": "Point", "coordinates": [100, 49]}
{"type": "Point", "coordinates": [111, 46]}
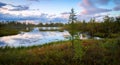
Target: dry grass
{"type": "Point", "coordinates": [85, 52]}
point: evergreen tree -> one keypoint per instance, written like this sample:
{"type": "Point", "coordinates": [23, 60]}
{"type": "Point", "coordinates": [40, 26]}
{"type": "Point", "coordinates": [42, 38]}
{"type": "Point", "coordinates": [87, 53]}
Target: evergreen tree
{"type": "Point", "coordinates": [72, 20]}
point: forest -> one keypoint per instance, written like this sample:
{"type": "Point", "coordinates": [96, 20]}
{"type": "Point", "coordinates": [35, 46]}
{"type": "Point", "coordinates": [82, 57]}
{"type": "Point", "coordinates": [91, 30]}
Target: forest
{"type": "Point", "coordinates": [108, 28]}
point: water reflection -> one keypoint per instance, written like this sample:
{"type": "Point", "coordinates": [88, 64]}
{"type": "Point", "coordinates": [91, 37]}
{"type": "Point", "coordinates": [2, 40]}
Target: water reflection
{"type": "Point", "coordinates": [49, 28]}
{"type": "Point", "coordinates": [34, 37]}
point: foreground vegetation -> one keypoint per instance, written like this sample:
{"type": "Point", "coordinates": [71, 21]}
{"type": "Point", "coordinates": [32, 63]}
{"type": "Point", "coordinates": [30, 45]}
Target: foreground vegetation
{"type": "Point", "coordinates": [85, 52]}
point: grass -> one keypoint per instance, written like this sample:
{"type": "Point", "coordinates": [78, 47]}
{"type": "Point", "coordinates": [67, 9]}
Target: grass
{"type": "Point", "coordinates": [86, 52]}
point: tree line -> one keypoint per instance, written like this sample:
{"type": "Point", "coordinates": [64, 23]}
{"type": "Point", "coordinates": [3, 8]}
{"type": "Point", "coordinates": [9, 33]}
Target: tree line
{"type": "Point", "coordinates": [108, 28]}
{"type": "Point", "coordinates": [15, 27]}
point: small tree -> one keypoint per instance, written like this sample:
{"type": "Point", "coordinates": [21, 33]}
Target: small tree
{"type": "Point", "coordinates": [72, 20]}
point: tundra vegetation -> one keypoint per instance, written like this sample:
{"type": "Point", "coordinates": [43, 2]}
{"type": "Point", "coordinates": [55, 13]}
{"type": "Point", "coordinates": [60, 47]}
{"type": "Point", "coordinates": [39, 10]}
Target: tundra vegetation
{"type": "Point", "coordinates": [84, 52]}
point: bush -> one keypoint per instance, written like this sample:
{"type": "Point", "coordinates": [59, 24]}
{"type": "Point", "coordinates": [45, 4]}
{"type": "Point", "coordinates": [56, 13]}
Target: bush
{"type": "Point", "coordinates": [86, 52]}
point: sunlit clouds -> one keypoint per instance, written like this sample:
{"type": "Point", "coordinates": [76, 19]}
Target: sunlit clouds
{"type": "Point", "coordinates": [56, 10]}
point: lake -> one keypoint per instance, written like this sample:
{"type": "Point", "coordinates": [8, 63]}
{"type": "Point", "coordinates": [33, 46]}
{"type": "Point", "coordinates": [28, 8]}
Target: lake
{"type": "Point", "coordinates": [34, 37]}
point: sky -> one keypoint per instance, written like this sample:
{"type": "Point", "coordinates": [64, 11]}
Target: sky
{"type": "Point", "coordinates": [57, 10]}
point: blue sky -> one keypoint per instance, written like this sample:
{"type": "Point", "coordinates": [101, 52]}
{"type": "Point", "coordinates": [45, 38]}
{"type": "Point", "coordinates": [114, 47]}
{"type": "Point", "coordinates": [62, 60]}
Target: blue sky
{"type": "Point", "coordinates": [57, 10]}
